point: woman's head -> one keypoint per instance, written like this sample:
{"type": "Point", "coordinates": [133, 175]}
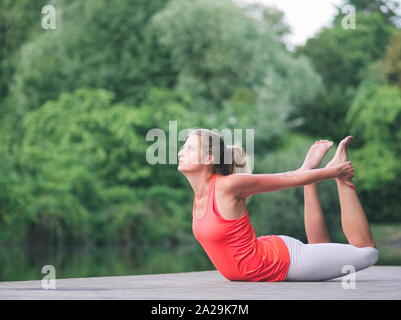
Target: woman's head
{"type": "Point", "coordinates": [207, 150]}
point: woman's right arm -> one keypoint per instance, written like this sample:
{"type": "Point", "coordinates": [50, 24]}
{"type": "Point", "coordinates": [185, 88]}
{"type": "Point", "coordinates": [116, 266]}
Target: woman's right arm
{"type": "Point", "coordinates": [243, 185]}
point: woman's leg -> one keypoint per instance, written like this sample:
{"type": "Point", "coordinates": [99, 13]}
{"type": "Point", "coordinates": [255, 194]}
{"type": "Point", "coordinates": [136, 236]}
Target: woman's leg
{"type": "Point", "coordinates": [315, 224]}
{"type": "Point", "coordinates": [325, 261]}
{"type": "Point", "coordinates": [353, 218]}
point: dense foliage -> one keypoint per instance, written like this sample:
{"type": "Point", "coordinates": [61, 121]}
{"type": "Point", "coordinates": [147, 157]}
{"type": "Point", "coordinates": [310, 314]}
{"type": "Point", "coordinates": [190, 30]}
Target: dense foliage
{"type": "Point", "coordinates": [77, 102]}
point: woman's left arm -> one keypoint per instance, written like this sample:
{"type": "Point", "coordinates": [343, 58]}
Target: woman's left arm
{"type": "Point", "coordinates": [243, 185]}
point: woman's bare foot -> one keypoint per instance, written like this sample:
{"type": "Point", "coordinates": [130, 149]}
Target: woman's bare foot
{"type": "Point", "coordinates": [315, 154]}
{"type": "Point", "coordinates": [341, 156]}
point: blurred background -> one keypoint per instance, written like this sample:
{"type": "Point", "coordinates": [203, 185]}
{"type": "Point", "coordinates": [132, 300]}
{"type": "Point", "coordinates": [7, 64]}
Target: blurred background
{"type": "Point", "coordinates": [77, 99]}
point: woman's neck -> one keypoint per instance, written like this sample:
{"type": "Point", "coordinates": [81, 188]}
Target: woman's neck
{"type": "Point", "coordinates": [200, 184]}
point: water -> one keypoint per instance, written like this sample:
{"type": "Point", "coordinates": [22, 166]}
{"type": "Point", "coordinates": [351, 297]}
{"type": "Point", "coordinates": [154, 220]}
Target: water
{"type": "Point", "coordinates": [17, 263]}
{"type": "Point", "coordinates": [21, 263]}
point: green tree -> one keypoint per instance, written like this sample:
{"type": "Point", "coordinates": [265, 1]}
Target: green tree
{"type": "Point", "coordinates": [83, 172]}
{"type": "Point", "coordinates": [206, 49]}
{"type": "Point", "coordinates": [272, 17]}
{"type": "Point", "coordinates": [121, 57]}
{"type": "Point", "coordinates": [14, 223]}
{"type": "Point", "coordinates": [341, 56]}
{"type": "Point", "coordinates": [375, 118]}
{"type": "Point", "coordinates": [222, 54]}
{"type": "Point", "coordinates": [389, 9]}
{"type": "Point", "coordinates": [392, 61]}
{"type": "Point", "coordinates": [20, 20]}
{"type": "Point", "coordinates": [96, 45]}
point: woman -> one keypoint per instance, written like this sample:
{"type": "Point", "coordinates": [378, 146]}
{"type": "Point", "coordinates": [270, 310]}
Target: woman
{"type": "Point", "coordinates": [222, 226]}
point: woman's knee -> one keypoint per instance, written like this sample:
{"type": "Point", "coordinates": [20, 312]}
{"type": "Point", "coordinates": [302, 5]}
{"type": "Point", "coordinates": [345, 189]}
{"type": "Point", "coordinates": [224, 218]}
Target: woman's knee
{"type": "Point", "coordinates": [370, 256]}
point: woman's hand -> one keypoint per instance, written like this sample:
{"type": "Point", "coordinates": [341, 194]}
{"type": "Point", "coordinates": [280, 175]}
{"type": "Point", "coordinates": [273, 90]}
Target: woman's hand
{"type": "Point", "coordinates": [346, 173]}
{"type": "Point", "coordinates": [345, 169]}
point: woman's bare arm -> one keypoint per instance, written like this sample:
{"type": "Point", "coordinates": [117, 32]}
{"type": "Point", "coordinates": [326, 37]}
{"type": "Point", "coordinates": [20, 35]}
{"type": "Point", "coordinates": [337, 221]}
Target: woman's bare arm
{"type": "Point", "coordinates": [243, 185]}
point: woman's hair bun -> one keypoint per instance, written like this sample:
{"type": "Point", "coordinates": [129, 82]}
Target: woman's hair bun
{"type": "Point", "coordinates": [240, 159]}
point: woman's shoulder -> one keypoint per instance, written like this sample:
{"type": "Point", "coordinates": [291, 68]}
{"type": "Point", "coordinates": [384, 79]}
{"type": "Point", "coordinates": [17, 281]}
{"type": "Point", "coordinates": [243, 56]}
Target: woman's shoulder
{"type": "Point", "coordinates": [225, 186]}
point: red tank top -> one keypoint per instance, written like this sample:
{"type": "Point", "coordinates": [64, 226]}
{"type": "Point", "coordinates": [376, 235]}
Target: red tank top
{"type": "Point", "coordinates": [233, 247]}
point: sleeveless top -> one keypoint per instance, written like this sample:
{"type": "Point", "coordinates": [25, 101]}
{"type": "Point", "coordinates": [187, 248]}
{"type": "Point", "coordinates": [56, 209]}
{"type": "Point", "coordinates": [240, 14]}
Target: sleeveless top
{"type": "Point", "coordinates": [234, 249]}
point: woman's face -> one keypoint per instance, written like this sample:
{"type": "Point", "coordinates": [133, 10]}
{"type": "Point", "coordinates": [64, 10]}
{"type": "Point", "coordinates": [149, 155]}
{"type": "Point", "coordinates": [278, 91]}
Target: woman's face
{"type": "Point", "coordinates": [190, 155]}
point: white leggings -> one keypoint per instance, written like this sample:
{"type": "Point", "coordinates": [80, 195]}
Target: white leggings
{"type": "Point", "coordinates": [324, 261]}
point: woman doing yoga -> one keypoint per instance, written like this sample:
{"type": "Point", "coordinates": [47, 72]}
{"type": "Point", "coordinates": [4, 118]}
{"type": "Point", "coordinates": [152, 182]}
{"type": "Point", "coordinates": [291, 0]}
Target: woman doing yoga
{"type": "Point", "coordinates": [221, 224]}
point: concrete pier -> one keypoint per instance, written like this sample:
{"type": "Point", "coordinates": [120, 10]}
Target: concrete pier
{"type": "Point", "coordinates": [374, 283]}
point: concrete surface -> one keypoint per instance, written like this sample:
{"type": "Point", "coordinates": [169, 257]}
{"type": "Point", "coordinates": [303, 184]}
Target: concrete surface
{"type": "Point", "coordinates": [374, 283]}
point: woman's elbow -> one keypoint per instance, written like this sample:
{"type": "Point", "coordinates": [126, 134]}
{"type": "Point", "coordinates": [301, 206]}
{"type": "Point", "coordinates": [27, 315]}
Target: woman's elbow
{"type": "Point", "coordinates": [292, 180]}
